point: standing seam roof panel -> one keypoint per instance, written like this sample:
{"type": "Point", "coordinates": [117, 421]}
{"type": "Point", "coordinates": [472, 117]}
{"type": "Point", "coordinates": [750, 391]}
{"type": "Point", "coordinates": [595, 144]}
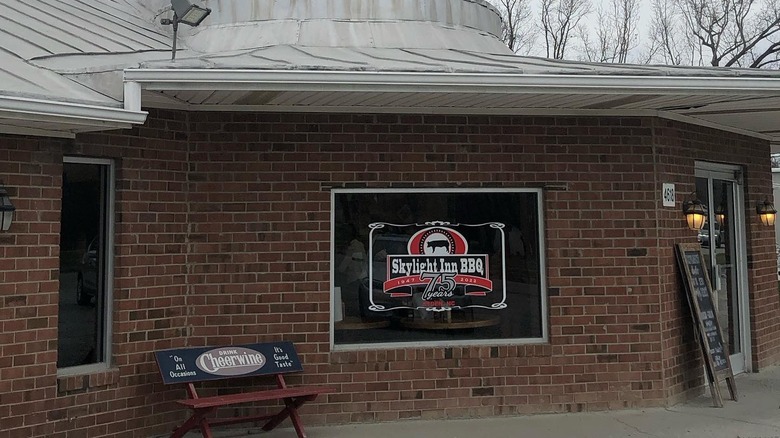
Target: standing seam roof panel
{"type": "Point", "coordinates": [33, 44]}
{"type": "Point", "coordinates": [20, 79]}
{"type": "Point", "coordinates": [100, 15]}
{"type": "Point", "coordinates": [59, 28]}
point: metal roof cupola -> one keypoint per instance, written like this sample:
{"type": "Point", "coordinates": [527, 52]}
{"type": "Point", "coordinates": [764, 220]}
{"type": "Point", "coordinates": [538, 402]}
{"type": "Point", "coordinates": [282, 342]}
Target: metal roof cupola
{"type": "Point", "coordinates": [471, 25]}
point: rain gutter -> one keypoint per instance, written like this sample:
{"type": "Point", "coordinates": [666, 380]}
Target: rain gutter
{"type": "Point", "coordinates": [78, 117]}
{"type": "Point", "coordinates": [281, 80]}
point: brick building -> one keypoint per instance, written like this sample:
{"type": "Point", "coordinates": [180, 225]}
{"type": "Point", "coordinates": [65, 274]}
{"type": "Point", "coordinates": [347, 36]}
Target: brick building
{"type": "Point", "coordinates": [274, 179]}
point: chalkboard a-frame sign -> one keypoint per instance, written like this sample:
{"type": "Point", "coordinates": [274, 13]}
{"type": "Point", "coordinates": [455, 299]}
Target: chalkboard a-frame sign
{"type": "Point", "coordinates": [699, 293]}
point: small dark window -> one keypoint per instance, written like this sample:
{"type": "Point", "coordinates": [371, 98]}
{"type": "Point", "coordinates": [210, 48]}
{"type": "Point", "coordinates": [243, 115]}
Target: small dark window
{"type": "Point", "coordinates": [84, 237]}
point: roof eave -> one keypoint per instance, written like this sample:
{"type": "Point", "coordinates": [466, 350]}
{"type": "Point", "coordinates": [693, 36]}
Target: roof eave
{"type": "Point", "coordinates": [24, 116]}
{"type": "Point", "coordinates": [315, 80]}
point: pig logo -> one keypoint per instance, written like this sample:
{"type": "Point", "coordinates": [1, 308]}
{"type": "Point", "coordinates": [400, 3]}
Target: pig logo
{"type": "Point", "coordinates": [437, 241]}
{"type": "Point", "coordinates": [434, 245]}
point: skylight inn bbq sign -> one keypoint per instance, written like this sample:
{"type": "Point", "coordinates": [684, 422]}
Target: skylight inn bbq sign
{"type": "Point", "coordinates": [437, 268]}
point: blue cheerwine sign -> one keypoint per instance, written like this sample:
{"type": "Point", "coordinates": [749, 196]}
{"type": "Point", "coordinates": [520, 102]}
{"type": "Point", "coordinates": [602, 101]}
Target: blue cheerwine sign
{"type": "Point", "coordinates": [213, 363]}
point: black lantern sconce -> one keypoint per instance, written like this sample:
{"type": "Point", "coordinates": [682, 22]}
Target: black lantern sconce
{"type": "Point", "coordinates": [6, 210]}
{"type": "Point", "coordinates": [766, 212]}
{"type": "Point", "coordinates": [720, 212]}
{"type": "Point", "coordinates": [720, 215]}
{"type": "Point", "coordinates": [187, 13]}
{"type": "Point", "coordinates": [695, 214]}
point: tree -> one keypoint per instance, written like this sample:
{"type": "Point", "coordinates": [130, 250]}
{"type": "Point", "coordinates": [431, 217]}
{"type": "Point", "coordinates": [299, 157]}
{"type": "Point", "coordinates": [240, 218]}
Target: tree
{"type": "Point", "coordinates": [729, 33]}
{"type": "Point", "coordinates": [616, 32]}
{"type": "Point", "coordinates": [560, 18]}
{"type": "Point", "coordinates": [517, 32]}
{"type": "Point", "coordinates": [666, 34]}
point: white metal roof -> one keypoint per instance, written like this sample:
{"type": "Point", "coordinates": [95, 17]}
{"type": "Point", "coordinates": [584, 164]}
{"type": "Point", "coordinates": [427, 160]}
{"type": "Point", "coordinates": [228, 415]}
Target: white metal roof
{"type": "Point", "coordinates": [294, 78]}
{"type": "Point", "coordinates": [39, 101]}
{"type": "Point", "coordinates": [340, 55]}
{"type": "Point", "coordinates": [35, 29]}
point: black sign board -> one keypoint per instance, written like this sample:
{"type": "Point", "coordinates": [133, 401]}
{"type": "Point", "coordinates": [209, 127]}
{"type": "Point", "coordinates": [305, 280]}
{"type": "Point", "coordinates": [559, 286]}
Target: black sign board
{"type": "Point", "coordinates": [700, 300]}
{"type": "Point", "coordinates": [212, 363]}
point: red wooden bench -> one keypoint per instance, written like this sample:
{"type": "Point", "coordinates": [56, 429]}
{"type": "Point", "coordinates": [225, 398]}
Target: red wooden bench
{"type": "Point", "coordinates": [191, 365]}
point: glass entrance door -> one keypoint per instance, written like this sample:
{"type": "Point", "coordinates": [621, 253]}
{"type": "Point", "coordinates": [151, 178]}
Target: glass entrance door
{"type": "Point", "coordinates": [723, 245]}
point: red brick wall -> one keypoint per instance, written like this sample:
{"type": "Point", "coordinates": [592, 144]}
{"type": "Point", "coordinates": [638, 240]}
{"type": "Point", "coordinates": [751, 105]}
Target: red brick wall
{"type": "Point", "coordinates": [29, 284]}
{"type": "Point", "coordinates": [151, 268]}
{"type": "Point", "coordinates": [150, 287]}
{"type": "Point", "coordinates": [678, 147]}
{"type": "Point", "coordinates": [682, 366]}
{"type": "Point", "coordinates": [222, 236]}
{"type": "Point", "coordinates": [605, 349]}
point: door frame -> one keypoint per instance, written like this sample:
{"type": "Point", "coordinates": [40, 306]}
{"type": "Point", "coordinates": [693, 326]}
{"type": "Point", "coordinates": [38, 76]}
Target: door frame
{"type": "Point", "coordinates": [734, 173]}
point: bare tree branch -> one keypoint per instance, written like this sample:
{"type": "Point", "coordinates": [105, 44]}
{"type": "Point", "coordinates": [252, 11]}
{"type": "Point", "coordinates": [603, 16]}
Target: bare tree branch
{"type": "Point", "coordinates": [517, 32]}
{"type": "Point", "coordinates": [559, 19]}
{"type": "Point", "coordinates": [731, 33]}
{"type": "Point", "coordinates": [666, 36]}
{"type": "Point", "coordinates": [736, 33]}
{"type": "Point", "coordinates": [616, 32]}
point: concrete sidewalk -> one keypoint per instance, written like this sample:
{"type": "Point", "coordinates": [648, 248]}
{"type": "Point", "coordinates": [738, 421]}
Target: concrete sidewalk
{"type": "Point", "coordinates": [755, 415]}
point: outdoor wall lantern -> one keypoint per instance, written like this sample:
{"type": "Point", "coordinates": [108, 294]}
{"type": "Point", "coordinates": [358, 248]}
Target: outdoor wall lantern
{"type": "Point", "coordinates": [766, 212]}
{"type": "Point", "coordinates": [6, 210]}
{"type": "Point", "coordinates": [720, 214]}
{"type": "Point", "coordinates": [187, 13]}
{"type": "Point", "coordinates": [695, 214]}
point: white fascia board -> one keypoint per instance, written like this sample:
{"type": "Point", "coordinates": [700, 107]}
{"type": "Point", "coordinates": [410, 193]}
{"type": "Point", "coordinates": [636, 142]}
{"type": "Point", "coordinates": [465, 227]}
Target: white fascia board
{"type": "Point", "coordinates": [69, 113]}
{"type": "Point", "coordinates": [32, 132]}
{"type": "Point", "coordinates": [282, 80]}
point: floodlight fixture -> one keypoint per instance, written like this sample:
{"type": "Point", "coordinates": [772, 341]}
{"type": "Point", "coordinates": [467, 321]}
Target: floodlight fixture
{"type": "Point", "coordinates": [187, 13]}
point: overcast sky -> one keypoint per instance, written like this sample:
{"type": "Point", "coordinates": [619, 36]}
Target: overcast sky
{"type": "Point", "coordinates": [591, 22]}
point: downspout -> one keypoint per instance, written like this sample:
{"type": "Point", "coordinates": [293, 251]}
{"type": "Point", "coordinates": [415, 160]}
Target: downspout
{"type": "Point", "coordinates": [132, 100]}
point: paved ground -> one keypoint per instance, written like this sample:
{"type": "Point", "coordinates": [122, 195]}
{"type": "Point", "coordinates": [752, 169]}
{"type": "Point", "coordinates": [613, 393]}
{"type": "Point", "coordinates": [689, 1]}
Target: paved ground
{"type": "Point", "coordinates": [755, 415]}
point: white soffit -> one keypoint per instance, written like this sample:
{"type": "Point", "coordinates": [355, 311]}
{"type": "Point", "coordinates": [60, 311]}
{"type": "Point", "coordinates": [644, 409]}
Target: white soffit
{"type": "Point", "coordinates": [737, 101]}
{"type": "Point", "coordinates": [433, 56]}
{"type": "Point", "coordinates": [446, 80]}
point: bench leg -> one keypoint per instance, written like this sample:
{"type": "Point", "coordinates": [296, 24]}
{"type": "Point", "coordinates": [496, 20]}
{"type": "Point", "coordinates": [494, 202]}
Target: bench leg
{"type": "Point", "coordinates": [295, 418]}
{"type": "Point", "coordinates": [205, 429]}
{"type": "Point", "coordinates": [290, 410]}
{"type": "Point", "coordinates": [198, 418]}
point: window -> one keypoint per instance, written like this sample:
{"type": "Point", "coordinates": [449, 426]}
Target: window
{"type": "Point", "coordinates": [85, 264]}
{"type": "Point", "coordinates": [437, 267]}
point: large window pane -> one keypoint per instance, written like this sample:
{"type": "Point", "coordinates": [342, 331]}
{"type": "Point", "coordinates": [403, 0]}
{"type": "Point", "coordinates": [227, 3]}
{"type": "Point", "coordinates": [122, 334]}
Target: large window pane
{"type": "Point", "coordinates": [442, 266]}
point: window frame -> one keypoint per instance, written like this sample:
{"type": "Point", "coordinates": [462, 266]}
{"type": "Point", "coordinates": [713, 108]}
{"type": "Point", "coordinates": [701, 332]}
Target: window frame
{"type": "Point", "coordinates": [108, 293]}
{"type": "Point", "coordinates": [544, 339]}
